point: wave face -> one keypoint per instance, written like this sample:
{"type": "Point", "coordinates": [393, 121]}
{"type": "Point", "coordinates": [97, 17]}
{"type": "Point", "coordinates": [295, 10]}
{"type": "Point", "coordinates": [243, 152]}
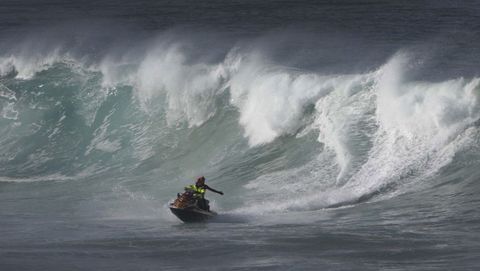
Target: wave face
{"type": "Point", "coordinates": [365, 134]}
{"type": "Point", "coordinates": [336, 137]}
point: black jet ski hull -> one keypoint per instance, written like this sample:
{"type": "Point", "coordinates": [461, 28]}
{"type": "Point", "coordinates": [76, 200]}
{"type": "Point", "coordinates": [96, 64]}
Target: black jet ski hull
{"type": "Point", "coordinates": [192, 214]}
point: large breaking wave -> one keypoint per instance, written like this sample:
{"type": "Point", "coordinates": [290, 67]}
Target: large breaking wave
{"type": "Point", "coordinates": [276, 138]}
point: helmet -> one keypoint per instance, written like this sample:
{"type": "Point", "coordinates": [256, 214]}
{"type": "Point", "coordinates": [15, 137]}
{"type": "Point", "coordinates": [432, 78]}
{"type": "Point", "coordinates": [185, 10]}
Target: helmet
{"type": "Point", "coordinates": [201, 180]}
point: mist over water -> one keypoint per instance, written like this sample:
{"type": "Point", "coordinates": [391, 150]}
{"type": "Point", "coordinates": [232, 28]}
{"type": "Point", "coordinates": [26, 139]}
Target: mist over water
{"type": "Point", "coordinates": [344, 134]}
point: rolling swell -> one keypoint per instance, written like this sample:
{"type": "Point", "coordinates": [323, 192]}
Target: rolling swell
{"type": "Point", "coordinates": [140, 120]}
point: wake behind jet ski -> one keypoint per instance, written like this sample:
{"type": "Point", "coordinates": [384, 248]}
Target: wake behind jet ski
{"type": "Point", "coordinates": [191, 206]}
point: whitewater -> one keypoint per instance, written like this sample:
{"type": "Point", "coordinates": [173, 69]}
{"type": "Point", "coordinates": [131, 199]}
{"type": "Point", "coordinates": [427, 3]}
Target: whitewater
{"type": "Point", "coordinates": [339, 146]}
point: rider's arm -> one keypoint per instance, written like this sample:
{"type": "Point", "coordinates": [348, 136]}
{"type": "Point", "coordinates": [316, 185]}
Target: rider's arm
{"type": "Point", "coordinates": [213, 190]}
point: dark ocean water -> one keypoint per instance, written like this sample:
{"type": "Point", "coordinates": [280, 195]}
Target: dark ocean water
{"type": "Point", "coordinates": [344, 134]}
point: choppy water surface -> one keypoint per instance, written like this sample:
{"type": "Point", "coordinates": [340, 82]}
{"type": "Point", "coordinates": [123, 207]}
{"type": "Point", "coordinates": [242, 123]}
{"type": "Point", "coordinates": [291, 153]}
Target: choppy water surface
{"type": "Point", "coordinates": [344, 135]}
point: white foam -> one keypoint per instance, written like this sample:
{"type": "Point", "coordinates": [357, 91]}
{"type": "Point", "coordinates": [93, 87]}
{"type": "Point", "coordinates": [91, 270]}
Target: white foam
{"type": "Point", "coordinates": [272, 101]}
{"type": "Point", "coordinates": [191, 88]}
{"type": "Point", "coordinates": [27, 64]}
{"type": "Point", "coordinates": [45, 178]}
{"type": "Point", "coordinates": [7, 93]}
{"type": "Point", "coordinates": [414, 128]}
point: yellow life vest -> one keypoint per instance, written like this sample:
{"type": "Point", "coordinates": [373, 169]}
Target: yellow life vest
{"type": "Point", "coordinates": [197, 189]}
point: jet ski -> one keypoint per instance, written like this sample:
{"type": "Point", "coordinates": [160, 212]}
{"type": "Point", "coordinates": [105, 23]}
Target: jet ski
{"type": "Point", "coordinates": [189, 209]}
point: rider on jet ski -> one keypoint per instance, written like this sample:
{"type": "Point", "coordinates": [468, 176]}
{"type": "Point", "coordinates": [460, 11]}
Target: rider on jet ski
{"type": "Point", "coordinates": [198, 190]}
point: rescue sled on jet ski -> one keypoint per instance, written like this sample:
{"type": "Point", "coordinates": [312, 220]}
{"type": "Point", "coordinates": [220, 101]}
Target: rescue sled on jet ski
{"type": "Point", "coordinates": [191, 209]}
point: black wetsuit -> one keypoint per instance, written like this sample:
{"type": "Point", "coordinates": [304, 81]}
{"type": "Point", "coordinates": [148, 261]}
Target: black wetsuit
{"type": "Point", "coordinates": [203, 203]}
